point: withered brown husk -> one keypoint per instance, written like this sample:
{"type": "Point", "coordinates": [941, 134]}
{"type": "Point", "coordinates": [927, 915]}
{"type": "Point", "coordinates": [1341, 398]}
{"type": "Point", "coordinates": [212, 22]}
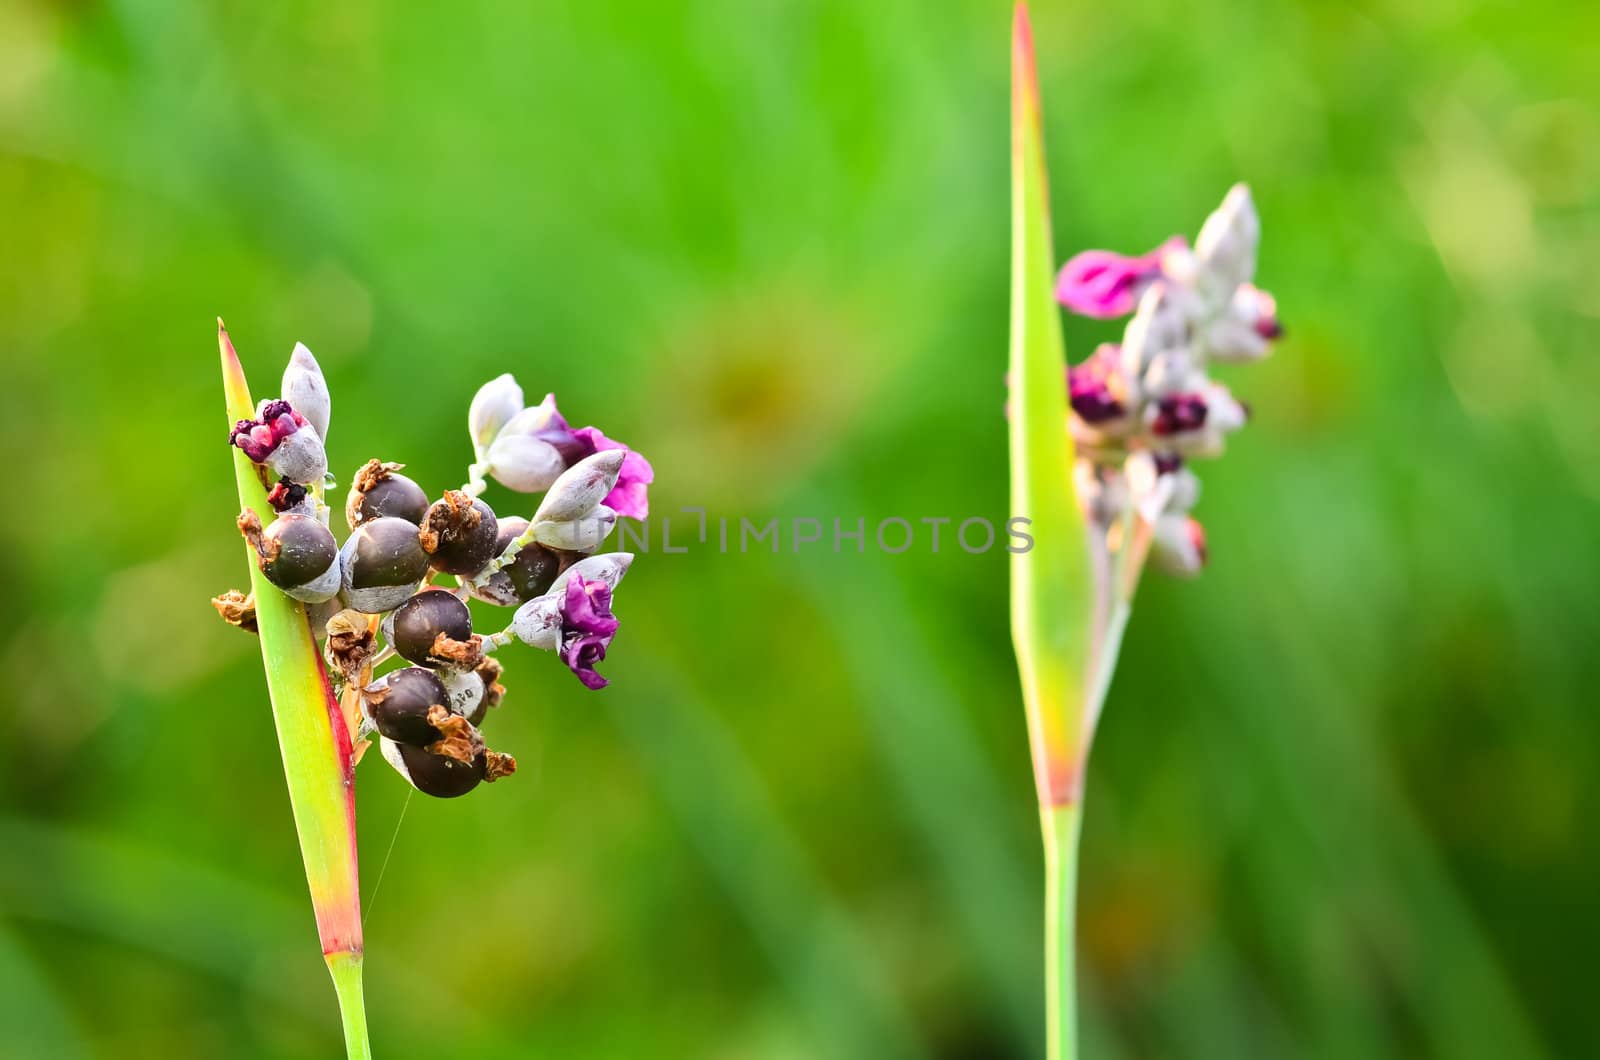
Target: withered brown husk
{"type": "Point", "coordinates": [457, 654]}
{"type": "Point", "coordinates": [238, 609]}
{"type": "Point", "coordinates": [460, 740]}
{"type": "Point", "coordinates": [249, 524]}
{"type": "Point", "coordinates": [373, 472]}
{"type": "Point", "coordinates": [455, 517]}
{"type": "Point", "coordinates": [351, 642]}
{"type": "Point", "coordinates": [489, 671]}
{"type": "Point", "coordinates": [497, 765]}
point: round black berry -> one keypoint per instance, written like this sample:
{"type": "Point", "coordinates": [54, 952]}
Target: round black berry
{"type": "Point", "coordinates": [382, 564]}
{"type": "Point", "coordinates": [298, 554]}
{"type": "Point", "coordinates": [459, 533]}
{"type": "Point", "coordinates": [380, 490]}
{"type": "Point", "coordinates": [398, 704]}
{"type": "Point", "coordinates": [437, 775]}
{"type": "Point", "coordinates": [420, 621]}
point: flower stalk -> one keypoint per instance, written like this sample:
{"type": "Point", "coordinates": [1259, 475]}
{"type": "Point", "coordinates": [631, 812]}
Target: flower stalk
{"type": "Point", "coordinates": [314, 739]}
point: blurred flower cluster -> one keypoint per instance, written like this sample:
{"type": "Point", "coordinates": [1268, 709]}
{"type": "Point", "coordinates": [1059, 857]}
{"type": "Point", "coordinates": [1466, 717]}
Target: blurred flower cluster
{"type": "Point", "coordinates": [1143, 408]}
{"type": "Point", "coordinates": [381, 595]}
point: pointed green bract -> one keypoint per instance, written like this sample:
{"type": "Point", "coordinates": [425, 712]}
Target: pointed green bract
{"type": "Point", "coordinates": [312, 737]}
{"type": "Point", "coordinates": [1050, 583]}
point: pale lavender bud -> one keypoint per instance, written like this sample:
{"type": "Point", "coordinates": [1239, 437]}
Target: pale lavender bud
{"type": "Point", "coordinates": [523, 463]}
{"type": "Point", "coordinates": [1246, 329]}
{"type": "Point", "coordinates": [583, 534]}
{"type": "Point", "coordinates": [537, 623]}
{"type": "Point", "coordinates": [1226, 246]}
{"type": "Point", "coordinates": [1160, 327]}
{"type": "Point", "coordinates": [307, 391]}
{"type": "Point", "coordinates": [300, 458]}
{"type": "Point", "coordinates": [493, 406]}
{"type": "Point", "coordinates": [608, 567]}
{"type": "Point", "coordinates": [581, 487]}
{"type": "Point", "coordinates": [1160, 483]}
{"type": "Point", "coordinates": [1178, 545]}
{"type": "Point", "coordinates": [538, 418]}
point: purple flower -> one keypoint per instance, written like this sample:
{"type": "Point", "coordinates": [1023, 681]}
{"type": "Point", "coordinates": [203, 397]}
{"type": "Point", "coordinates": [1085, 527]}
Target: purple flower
{"type": "Point", "coordinates": [630, 497]}
{"type": "Point", "coordinates": [258, 438]}
{"type": "Point", "coordinates": [1099, 283]}
{"type": "Point", "coordinates": [1089, 387]}
{"type": "Point", "coordinates": [587, 626]}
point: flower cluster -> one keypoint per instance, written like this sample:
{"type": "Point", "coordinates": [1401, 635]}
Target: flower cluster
{"type": "Point", "coordinates": [1142, 408]}
{"type": "Point", "coordinates": [385, 584]}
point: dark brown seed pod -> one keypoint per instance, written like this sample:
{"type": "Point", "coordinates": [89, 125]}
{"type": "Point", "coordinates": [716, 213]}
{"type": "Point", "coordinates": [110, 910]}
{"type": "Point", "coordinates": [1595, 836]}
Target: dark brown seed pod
{"type": "Point", "coordinates": [459, 533]}
{"type": "Point", "coordinates": [382, 564]}
{"type": "Point", "coordinates": [528, 575]}
{"type": "Point", "coordinates": [423, 619]}
{"type": "Point", "coordinates": [434, 774]}
{"type": "Point", "coordinates": [398, 704]}
{"type": "Point", "coordinates": [379, 490]}
{"type": "Point", "coordinates": [297, 555]}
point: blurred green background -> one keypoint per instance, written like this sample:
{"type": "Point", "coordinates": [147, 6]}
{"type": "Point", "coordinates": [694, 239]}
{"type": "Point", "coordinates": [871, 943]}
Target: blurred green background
{"type": "Point", "coordinates": [1343, 797]}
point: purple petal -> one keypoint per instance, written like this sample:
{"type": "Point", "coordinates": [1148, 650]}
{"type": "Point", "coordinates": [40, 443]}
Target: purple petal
{"type": "Point", "coordinates": [587, 608]}
{"type": "Point", "coordinates": [630, 497]}
{"type": "Point", "coordinates": [580, 655]}
{"type": "Point", "coordinates": [1099, 283]}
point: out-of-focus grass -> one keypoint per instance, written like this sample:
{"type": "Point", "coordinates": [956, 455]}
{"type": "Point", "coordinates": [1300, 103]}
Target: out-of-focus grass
{"type": "Point", "coordinates": [1337, 804]}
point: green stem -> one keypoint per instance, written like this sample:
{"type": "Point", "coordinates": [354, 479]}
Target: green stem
{"type": "Point", "coordinates": [1061, 827]}
{"type": "Point", "coordinates": [346, 971]}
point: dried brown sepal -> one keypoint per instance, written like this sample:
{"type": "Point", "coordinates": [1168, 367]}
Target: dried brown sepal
{"type": "Point", "coordinates": [489, 671]}
{"type": "Point", "coordinates": [497, 765]}
{"type": "Point", "coordinates": [371, 473]}
{"type": "Point", "coordinates": [457, 654]}
{"type": "Point", "coordinates": [351, 641]}
{"type": "Point", "coordinates": [454, 517]}
{"type": "Point", "coordinates": [459, 740]}
{"type": "Point", "coordinates": [374, 472]}
{"type": "Point", "coordinates": [237, 609]}
{"type": "Point", "coordinates": [249, 524]}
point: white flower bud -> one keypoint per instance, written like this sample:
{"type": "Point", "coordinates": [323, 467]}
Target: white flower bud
{"type": "Point", "coordinates": [1178, 545]}
{"type": "Point", "coordinates": [608, 567]}
{"type": "Point", "coordinates": [493, 406]}
{"type": "Point", "coordinates": [1246, 328]}
{"type": "Point", "coordinates": [583, 534]}
{"type": "Point", "coordinates": [523, 463]}
{"type": "Point", "coordinates": [1159, 327]}
{"type": "Point", "coordinates": [306, 390]}
{"type": "Point", "coordinates": [581, 487]}
{"type": "Point", "coordinates": [534, 418]}
{"type": "Point", "coordinates": [537, 623]}
{"type": "Point", "coordinates": [300, 458]}
{"type": "Point", "coordinates": [1226, 246]}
